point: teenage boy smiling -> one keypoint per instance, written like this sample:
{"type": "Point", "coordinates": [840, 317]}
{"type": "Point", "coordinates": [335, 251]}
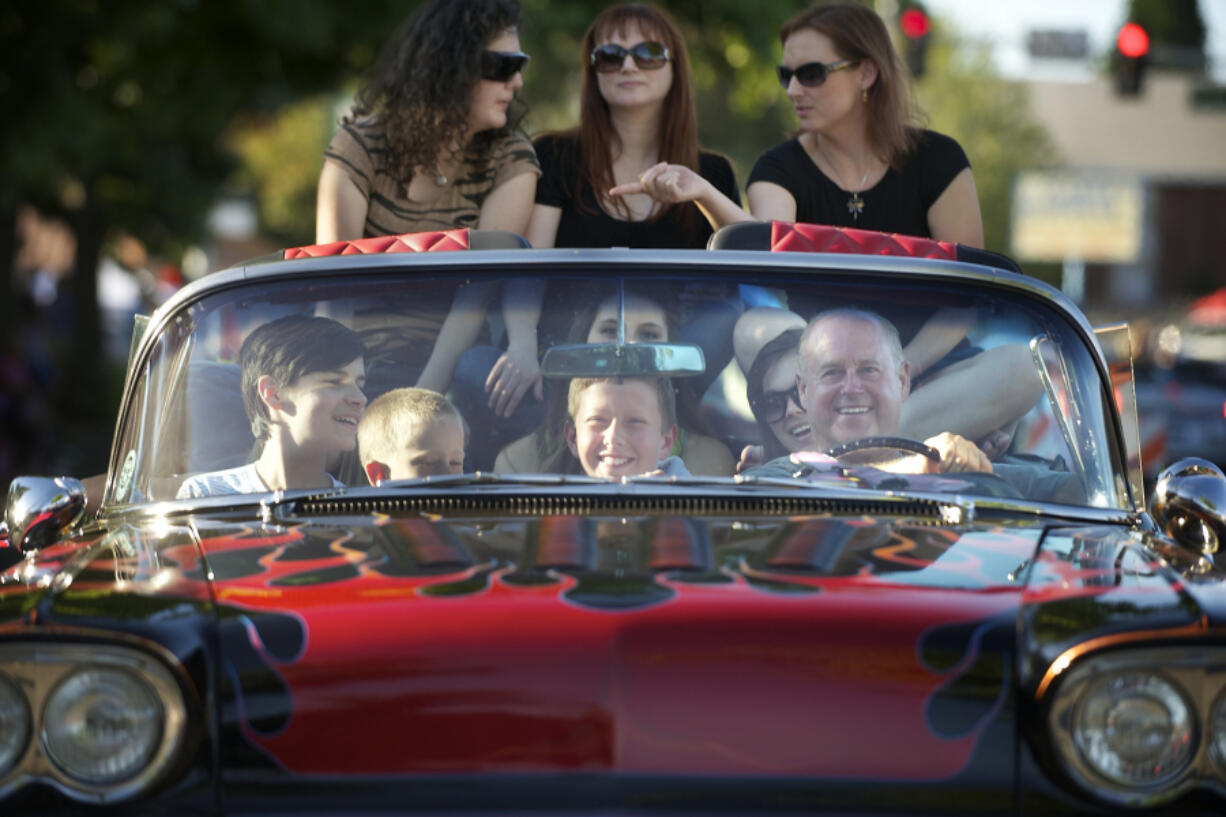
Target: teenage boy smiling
{"type": "Point", "coordinates": [302, 380]}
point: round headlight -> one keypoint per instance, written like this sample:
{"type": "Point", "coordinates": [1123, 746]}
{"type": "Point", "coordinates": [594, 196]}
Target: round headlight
{"type": "Point", "coordinates": [1134, 728]}
{"type": "Point", "coordinates": [102, 725]}
{"type": "Point", "coordinates": [14, 724]}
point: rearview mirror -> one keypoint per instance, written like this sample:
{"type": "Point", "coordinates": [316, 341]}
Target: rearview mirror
{"type": "Point", "coordinates": [624, 360]}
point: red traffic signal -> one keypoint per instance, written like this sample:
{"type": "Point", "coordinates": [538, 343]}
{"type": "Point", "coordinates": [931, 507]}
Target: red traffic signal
{"type": "Point", "coordinates": [1129, 60]}
{"type": "Point", "coordinates": [1132, 41]}
{"type": "Point", "coordinates": [914, 23]}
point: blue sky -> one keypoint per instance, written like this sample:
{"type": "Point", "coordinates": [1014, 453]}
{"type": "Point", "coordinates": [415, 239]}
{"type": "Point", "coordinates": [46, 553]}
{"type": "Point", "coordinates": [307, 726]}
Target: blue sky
{"type": "Point", "coordinates": [1005, 24]}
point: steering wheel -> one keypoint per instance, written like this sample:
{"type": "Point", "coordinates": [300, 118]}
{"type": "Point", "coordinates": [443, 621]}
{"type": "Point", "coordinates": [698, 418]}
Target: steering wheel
{"type": "Point", "coordinates": [986, 483]}
{"type": "Point", "coordinates": [897, 443]}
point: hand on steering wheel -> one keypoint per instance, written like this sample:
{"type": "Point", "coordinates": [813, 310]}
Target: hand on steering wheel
{"type": "Point", "coordinates": [952, 455]}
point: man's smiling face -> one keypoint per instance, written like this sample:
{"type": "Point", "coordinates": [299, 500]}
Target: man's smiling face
{"type": "Point", "coordinates": [851, 383]}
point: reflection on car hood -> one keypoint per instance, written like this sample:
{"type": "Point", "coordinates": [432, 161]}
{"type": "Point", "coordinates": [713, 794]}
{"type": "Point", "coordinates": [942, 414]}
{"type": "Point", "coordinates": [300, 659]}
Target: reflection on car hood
{"type": "Point", "coordinates": [616, 643]}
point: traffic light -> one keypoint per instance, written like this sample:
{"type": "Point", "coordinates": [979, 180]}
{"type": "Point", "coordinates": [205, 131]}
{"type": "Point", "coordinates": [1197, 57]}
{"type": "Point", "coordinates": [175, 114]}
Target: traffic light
{"type": "Point", "coordinates": [916, 28]}
{"type": "Point", "coordinates": [1130, 58]}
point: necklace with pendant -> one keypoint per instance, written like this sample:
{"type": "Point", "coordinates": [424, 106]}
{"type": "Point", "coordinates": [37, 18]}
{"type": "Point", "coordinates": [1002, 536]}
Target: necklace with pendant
{"type": "Point", "coordinates": [440, 178]}
{"type": "Point", "coordinates": [855, 204]}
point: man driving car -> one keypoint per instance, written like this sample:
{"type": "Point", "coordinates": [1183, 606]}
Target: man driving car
{"type": "Point", "coordinates": [852, 382]}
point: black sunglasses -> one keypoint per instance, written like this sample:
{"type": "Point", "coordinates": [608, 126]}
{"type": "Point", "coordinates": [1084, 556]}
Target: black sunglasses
{"type": "Point", "coordinates": [772, 406]}
{"type": "Point", "coordinates": [648, 56]}
{"type": "Point", "coordinates": [500, 66]}
{"type": "Point", "coordinates": [811, 74]}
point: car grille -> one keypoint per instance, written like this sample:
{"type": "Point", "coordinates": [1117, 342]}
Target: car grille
{"type": "Point", "coordinates": [921, 510]}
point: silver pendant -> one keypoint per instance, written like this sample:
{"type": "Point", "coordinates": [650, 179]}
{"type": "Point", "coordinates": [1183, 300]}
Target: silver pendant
{"type": "Point", "coordinates": [855, 206]}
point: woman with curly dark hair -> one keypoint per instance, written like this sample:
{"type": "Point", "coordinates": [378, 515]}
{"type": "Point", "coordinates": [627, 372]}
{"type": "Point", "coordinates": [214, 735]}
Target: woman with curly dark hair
{"type": "Point", "coordinates": [434, 140]}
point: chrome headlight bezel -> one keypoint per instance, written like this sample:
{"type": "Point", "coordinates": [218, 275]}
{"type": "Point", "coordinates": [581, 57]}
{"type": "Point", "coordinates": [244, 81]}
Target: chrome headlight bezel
{"type": "Point", "coordinates": [42, 667]}
{"type": "Point", "coordinates": [1197, 674]}
{"type": "Point", "coordinates": [11, 757]}
{"type": "Point", "coordinates": [1216, 734]}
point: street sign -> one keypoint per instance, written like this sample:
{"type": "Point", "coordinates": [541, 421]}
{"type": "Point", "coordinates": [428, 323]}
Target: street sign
{"type": "Point", "coordinates": [1058, 44]}
{"type": "Point", "coordinates": [1058, 216]}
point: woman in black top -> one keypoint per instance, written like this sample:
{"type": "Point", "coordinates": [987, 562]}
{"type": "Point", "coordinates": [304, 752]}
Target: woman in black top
{"type": "Point", "coordinates": [860, 160]}
{"type": "Point", "coordinates": [636, 113]}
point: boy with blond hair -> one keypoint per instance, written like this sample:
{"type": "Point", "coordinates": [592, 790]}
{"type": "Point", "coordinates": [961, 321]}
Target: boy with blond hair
{"type": "Point", "coordinates": [407, 433]}
{"type": "Point", "coordinates": [622, 427]}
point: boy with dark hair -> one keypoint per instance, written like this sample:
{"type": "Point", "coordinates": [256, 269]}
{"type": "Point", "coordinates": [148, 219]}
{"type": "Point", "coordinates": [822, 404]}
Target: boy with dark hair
{"type": "Point", "coordinates": [301, 381]}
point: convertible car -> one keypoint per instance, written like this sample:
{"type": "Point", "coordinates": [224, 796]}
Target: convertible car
{"type": "Point", "coordinates": [820, 631]}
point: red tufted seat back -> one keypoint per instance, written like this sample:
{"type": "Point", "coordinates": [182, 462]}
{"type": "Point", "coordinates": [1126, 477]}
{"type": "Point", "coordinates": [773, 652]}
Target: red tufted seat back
{"type": "Point", "coordinates": [787, 237]}
{"type": "Point", "coordinates": [438, 241]}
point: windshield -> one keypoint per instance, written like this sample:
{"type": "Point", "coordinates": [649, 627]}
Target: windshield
{"type": "Point", "coordinates": [401, 379]}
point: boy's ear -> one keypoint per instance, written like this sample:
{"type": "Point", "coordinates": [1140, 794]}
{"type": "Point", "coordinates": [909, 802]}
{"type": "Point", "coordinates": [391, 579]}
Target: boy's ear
{"type": "Point", "coordinates": [568, 431]}
{"type": "Point", "coordinates": [666, 441]}
{"type": "Point", "coordinates": [377, 472]}
{"type": "Point", "coordinates": [268, 390]}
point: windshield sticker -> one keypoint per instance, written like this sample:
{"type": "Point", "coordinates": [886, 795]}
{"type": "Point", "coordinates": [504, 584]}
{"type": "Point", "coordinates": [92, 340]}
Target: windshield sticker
{"type": "Point", "coordinates": [123, 484]}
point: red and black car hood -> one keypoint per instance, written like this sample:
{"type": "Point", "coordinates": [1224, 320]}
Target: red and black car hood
{"type": "Point", "coordinates": [846, 649]}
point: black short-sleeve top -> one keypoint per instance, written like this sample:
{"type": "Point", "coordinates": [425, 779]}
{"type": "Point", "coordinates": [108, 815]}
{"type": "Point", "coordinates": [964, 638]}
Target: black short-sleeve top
{"type": "Point", "coordinates": [898, 203]}
{"type": "Point", "coordinates": [683, 226]}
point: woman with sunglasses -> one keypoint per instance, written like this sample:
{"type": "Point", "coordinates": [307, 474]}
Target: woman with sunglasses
{"type": "Point", "coordinates": [860, 159]}
{"type": "Point", "coordinates": [767, 340]}
{"type": "Point", "coordinates": [636, 111]}
{"type": "Point", "coordinates": [433, 142]}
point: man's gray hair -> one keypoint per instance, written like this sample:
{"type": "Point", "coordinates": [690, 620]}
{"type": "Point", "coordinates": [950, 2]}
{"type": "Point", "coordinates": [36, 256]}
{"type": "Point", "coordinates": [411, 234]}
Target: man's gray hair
{"type": "Point", "coordinates": [887, 328]}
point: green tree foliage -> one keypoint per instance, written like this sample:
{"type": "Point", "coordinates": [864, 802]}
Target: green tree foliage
{"type": "Point", "coordinates": [115, 109]}
{"type": "Point", "coordinates": [281, 156]}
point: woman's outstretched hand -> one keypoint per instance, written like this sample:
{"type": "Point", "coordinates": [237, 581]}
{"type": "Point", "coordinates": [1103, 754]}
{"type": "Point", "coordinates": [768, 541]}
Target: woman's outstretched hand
{"type": "Point", "coordinates": [671, 184]}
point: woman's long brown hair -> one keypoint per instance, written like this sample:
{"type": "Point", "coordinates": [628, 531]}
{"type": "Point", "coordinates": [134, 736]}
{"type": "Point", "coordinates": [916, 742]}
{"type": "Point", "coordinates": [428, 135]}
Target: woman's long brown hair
{"type": "Point", "coordinates": [678, 122]}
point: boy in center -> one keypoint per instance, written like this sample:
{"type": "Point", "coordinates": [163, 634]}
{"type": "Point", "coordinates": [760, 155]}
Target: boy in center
{"type": "Point", "coordinates": [410, 433]}
{"type": "Point", "coordinates": [623, 427]}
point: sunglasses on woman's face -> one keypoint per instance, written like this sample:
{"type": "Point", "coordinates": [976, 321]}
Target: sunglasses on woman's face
{"type": "Point", "coordinates": [500, 66]}
{"type": "Point", "coordinates": [772, 406]}
{"type": "Point", "coordinates": [648, 56]}
{"type": "Point", "coordinates": [811, 74]}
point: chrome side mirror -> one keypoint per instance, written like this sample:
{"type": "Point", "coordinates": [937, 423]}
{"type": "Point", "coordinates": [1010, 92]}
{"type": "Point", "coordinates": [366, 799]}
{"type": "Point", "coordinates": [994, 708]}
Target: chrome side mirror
{"type": "Point", "coordinates": [42, 509]}
{"type": "Point", "coordinates": [1189, 504]}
